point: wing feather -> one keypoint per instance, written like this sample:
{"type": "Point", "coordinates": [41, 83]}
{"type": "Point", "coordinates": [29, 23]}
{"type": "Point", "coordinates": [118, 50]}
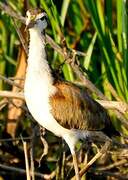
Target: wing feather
{"type": "Point", "coordinates": [74, 108]}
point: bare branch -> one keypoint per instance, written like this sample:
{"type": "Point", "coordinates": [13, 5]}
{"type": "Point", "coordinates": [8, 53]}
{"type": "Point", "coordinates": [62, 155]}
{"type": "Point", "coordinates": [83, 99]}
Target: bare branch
{"type": "Point", "coordinates": [115, 164]}
{"type": "Point", "coordinates": [15, 139]}
{"type": "Point", "coordinates": [45, 152]}
{"type": "Point", "coordinates": [3, 103]}
{"type": "Point", "coordinates": [10, 94]}
{"type": "Point", "coordinates": [121, 106]}
{"type": "Point", "coordinates": [8, 10]}
{"type": "Point", "coordinates": [113, 92]}
{"type": "Point", "coordinates": [10, 81]}
{"type": "Point", "coordinates": [19, 170]}
{"type": "Point", "coordinates": [24, 44]}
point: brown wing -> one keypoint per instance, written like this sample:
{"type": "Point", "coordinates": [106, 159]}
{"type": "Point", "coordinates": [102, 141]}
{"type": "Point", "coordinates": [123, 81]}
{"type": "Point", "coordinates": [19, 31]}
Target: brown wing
{"type": "Point", "coordinates": [73, 108]}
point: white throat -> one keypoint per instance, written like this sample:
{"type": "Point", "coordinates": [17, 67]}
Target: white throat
{"type": "Point", "coordinates": [37, 59]}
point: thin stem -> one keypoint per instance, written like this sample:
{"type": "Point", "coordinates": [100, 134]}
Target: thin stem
{"type": "Point", "coordinates": [75, 163]}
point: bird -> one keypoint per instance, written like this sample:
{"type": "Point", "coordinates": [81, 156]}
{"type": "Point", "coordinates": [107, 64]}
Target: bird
{"type": "Point", "coordinates": [61, 107]}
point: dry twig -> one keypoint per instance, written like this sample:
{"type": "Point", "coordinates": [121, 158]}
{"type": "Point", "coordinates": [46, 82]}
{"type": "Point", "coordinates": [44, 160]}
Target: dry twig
{"type": "Point", "coordinates": [24, 44]}
{"type": "Point", "coordinates": [45, 152]}
{"type": "Point", "coordinates": [10, 94]}
{"type": "Point", "coordinates": [3, 103]}
{"type": "Point", "coordinates": [32, 161]}
{"type": "Point", "coordinates": [115, 164]}
{"type": "Point", "coordinates": [8, 10]}
{"type": "Point", "coordinates": [119, 105]}
{"type": "Point", "coordinates": [20, 171]}
{"type": "Point", "coordinates": [12, 83]}
{"type": "Point", "coordinates": [26, 160]}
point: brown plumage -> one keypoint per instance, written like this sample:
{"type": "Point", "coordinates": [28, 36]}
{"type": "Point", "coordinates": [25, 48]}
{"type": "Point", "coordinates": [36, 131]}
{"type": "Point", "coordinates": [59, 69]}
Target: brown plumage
{"type": "Point", "coordinates": [72, 107]}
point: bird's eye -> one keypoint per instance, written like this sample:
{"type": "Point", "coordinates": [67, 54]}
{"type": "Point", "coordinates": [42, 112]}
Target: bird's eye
{"type": "Point", "coordinates": [42, 18]}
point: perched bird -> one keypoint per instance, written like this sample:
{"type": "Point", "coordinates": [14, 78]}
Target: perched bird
{"type": "Point", "coordinates": [61, 107]}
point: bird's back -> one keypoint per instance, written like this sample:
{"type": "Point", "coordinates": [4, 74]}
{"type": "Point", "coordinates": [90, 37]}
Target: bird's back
{"type": "Point", "coordinates": [73, 108]}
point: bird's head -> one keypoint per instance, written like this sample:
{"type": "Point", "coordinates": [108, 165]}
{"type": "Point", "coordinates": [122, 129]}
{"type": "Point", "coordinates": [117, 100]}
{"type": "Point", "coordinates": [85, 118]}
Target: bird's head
{"type": "Point", "coordinates": [35, 19]}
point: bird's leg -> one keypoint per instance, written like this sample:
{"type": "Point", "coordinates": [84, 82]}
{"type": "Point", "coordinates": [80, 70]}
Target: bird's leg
{"type": "Point", "coordinates": [75, 163]}
{"type": "Point", "coordinates": [97, 156]}
{"type": "Point", "coordinates": [87, 147]}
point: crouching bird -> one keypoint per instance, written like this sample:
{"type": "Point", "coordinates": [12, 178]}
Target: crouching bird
{"type": "Point", "coordinates": [62, 108]}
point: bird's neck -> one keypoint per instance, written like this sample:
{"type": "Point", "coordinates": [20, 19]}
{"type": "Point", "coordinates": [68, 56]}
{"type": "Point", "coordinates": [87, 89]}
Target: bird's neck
{"type": "Point", "coordinates": [37, 59]}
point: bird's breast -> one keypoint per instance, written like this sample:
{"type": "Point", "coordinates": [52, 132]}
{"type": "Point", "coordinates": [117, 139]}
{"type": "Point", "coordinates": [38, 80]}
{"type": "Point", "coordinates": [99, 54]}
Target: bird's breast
{"type": "Point", "coordinates": [37, 92]}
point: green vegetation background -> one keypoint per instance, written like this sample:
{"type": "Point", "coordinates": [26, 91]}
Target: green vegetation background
{"type": "Point", "coordinates": [98, 28]}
